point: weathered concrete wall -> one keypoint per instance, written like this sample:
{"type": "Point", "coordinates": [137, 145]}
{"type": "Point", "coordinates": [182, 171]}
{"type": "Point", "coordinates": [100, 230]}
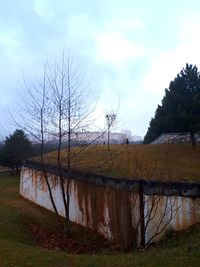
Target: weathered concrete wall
{"type": "Point", "coordinates": [174, 138]}
{"type": "Point", "coordinates": [105, 210]}
{"type": "Point", "coordinates": [111, 206]}
{"type": "Point", "coordinates": [163, 213]}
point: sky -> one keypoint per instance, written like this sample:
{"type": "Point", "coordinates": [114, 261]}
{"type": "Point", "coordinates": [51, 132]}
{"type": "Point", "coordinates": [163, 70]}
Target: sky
{"type": "Point", "coordinates": [129, 50]}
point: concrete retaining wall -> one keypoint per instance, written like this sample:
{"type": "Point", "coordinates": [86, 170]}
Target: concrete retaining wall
{"type": "Point", "coordinates": [112, 207]}
{"type": "Point", "coordinates": [174, 138]}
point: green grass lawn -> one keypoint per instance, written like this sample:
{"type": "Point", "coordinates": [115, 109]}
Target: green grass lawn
{"type": "Point", "coordinates": [18, 249]}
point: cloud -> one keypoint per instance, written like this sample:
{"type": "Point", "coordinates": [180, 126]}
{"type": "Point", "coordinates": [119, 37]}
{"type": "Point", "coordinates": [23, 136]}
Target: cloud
{"type": "Point", "coordinates": [81, 39]}
{"type": "Point", "coordinates": [114, 47]}
{"type": "Point", "coordinates": [9, 39]}
{"type": "Point", "coordinates": [43, 9]}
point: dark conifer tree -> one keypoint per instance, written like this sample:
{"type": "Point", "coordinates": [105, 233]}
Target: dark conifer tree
{"type": "Point", "coordinates": [180, 109]}
{"type": "Point", "coordinates": [16, 149]}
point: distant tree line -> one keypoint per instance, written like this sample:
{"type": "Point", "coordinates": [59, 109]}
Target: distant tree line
{"type": "Point", "coordinates": [180, 108]}
{"type": "Point", "coordinates": [15, 150]}
{"type": "Point", "coordinates": [17, 147]}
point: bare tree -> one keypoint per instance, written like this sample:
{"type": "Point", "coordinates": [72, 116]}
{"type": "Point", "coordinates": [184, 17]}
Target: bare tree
{"type": "Point", "coordinates": [70, 113]}
{"type": "Point", "coordinates": [159, 214]}
{"type": "Point", "coordinates": [33, 117]}
{"type": "Point", "coordinates": [56, 108]}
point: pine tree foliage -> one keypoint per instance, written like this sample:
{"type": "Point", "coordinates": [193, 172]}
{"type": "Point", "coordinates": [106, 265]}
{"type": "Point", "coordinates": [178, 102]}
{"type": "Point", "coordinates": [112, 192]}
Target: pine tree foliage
{"type": "Point", "coordinates": [180, 108]}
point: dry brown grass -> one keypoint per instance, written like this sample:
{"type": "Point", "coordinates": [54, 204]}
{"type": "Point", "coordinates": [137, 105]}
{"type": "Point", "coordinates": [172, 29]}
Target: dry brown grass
{"type": "Point", "coordinates": [164, 162]}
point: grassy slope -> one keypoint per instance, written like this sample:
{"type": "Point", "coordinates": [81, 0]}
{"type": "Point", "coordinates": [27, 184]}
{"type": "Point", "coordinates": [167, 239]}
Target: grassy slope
{"type": "Point", "coordinates": [17, 248]}
{"type": "Point", "coordinates": [165, 162]}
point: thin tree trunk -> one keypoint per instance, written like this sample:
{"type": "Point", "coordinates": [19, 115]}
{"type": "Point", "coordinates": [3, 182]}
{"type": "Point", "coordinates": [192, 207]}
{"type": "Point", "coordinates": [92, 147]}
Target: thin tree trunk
{"type": "Point", "coordinates": [108, 138]}
{"type": "Point", "coordinates": [50, 193]}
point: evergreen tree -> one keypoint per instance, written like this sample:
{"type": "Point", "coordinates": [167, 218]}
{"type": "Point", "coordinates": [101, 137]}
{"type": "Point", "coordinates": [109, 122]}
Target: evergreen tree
{"type": "Point", "coordinates": [180, 109]}
{"type": "Point", "coordinates": [16, 149]}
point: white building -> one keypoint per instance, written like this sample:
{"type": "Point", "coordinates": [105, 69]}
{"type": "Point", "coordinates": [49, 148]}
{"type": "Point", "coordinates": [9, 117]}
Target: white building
{"type": "Point", "coordinates": [94, 137]}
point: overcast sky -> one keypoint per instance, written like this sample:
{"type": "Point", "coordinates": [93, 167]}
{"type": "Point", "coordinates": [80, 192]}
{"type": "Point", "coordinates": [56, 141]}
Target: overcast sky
{"type": "Point", "coordinates": [130, 50]}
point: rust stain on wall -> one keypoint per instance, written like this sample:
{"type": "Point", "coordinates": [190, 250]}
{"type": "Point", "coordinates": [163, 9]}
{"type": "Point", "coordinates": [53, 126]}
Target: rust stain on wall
{"type": "Point", "coordinates": [193, 207]}
{"type": "Point", "coordinates": [93, 200]}
{"type": "Point", "coordinates": [54, 181]}
{"type": "Point", "coordinates": [44, 184]}
{"type": "Point", "coordinates": [120, 214]}
{"type": "Point", "coordinates": [34, 180]}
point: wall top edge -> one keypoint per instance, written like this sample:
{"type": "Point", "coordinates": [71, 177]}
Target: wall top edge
{"type": "Point", "coordinates": [150, 187]}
